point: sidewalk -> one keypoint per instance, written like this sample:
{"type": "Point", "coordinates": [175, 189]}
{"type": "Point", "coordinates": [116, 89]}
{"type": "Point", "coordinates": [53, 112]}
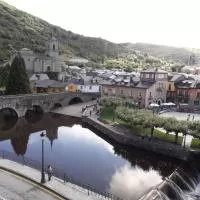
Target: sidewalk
{"type": "Point", "coordinates": [9, 187]}
{"type": "Point", "coordinates": [68, 190]}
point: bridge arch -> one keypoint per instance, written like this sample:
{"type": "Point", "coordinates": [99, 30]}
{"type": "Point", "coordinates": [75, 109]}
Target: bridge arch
{"type": "Point", "coordinates": [75, 100]}
{"type": "Point", "coordinates": [34, 114]}
{"type": "Point", "coordinates": [8, 118]}
{"type": "Point", "coordinates": [57, 105]}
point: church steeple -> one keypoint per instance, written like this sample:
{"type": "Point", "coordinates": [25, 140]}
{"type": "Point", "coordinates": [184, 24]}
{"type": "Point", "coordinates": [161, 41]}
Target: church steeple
{"type": "Point", "coordinates": [53, 47]}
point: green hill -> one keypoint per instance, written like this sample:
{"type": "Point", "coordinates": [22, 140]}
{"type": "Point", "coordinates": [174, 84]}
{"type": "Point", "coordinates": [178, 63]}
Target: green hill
{"type": "Point", "coordinates": [171, 54]}
{"type": "Point", "coordinates": [19, 29]}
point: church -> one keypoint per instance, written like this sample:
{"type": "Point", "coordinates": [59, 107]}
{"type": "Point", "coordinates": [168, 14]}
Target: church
{"type": "Point", "coordinates": [47, 62]}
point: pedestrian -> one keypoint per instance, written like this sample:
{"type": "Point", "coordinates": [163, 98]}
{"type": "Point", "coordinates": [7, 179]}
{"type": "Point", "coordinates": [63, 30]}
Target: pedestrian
{"type": "Point", "coordinates": [90, 112]}
{"type": "Point", "coordinates": [193, 117]}
{"type": "Point", "coordinates": [49, 172]}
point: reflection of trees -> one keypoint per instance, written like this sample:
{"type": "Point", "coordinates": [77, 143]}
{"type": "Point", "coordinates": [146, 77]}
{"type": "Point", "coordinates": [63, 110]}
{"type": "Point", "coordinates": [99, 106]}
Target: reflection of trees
{"type": "Point", "coordinates": [147, 160]}
{"type": "Point", "coordinates": [8, 118]}
{"type": "Point", "coordinates": [141, 158]}
{"type": "Point", "coordinates": [19, 144]}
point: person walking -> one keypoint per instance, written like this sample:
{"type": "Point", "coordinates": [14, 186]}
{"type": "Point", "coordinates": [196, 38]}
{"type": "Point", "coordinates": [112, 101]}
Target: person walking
{"type": "Point", "coordinates": [49, 172]}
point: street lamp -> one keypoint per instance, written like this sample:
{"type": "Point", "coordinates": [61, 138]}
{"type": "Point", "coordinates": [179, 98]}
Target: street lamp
{"type": "Point", "coordinates": [42, 135]}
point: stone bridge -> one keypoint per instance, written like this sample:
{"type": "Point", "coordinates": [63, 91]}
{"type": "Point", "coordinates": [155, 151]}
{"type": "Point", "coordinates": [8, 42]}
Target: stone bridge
{"type": "Point", "coordinates": [20, 104]}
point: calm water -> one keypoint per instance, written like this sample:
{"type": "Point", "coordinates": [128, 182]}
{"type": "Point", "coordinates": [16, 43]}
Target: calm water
{"type": "Point", "coordinates": [127, 173]}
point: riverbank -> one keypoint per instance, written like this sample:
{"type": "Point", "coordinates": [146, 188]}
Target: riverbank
{"type": "Point", "coordinates": [107, 116]}
{"type": "Point", "coordinates": [65, 190]}
{"type": "Point", "coordinates": [122, 136]}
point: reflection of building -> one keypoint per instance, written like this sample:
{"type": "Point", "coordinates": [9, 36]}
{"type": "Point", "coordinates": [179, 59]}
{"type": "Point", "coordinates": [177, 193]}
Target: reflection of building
{"type": "Point", "coordinates": [52, 135]}
{"type": "Point", "coordinates": [19, 144]}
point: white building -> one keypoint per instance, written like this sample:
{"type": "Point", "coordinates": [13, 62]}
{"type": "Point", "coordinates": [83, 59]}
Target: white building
{"type": "Point", "coordinates": [89, 88]}
{"type": "Point", "coordinates": [35, 77]}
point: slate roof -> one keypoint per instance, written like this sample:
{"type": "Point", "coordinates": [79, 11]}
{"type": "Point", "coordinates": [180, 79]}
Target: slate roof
{"type": "Point", "coordinates": [154, 71]}
{"type": "Point", "coordinates": [177, 77]}
{"type": "Point", "coordinates": [144, 85]}
{"type": "Point", "coordinates": [49, 83]}
{"type": "Point", "coordinates": [76, 81]}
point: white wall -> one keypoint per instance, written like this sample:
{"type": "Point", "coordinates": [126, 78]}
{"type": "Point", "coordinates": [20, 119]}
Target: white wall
{"type": "Point", "coordinates": [89, 88]}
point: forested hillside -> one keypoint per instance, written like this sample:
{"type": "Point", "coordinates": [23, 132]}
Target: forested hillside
{"type": "Point", "coordinates": [19, 29]}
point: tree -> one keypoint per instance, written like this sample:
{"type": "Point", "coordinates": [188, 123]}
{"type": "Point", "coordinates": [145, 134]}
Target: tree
{"type": "Point", "coordinates": [4, 72]}
{"type": "Point", "coordinates": [18, 81]}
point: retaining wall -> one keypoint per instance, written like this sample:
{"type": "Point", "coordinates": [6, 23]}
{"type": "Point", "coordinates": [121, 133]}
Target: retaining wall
{"type": "Point", "coordinates": [159, 147]}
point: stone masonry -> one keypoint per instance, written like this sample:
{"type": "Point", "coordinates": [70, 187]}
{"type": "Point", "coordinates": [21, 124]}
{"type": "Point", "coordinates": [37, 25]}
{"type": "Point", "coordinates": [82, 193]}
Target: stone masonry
{"type": "Point", "coordinates": [47, 101]}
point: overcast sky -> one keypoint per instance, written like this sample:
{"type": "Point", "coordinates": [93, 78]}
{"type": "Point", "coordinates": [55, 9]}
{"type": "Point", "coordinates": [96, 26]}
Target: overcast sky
{"type": "Point", "coordinates": [168, 22]}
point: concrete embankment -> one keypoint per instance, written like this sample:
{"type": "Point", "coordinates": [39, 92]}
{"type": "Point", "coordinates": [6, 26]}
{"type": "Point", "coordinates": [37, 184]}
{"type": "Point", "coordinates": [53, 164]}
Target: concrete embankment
{"type": "Point", "coordinates": [159, 147]}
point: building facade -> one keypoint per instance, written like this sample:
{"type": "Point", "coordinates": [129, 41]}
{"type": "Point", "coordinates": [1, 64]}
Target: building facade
{"type": "Point", "coordinates": [49, 61]}
{"type": "Point", "coordinates": [151, 87]}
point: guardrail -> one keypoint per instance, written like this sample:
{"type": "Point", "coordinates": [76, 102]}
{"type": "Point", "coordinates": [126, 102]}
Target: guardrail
{"type": "Point", "coordinates": [57, 173]}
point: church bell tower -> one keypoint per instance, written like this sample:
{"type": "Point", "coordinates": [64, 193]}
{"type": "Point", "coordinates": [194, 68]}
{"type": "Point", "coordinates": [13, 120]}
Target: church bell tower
{"type": "Point", "coordinates": [53, 47]}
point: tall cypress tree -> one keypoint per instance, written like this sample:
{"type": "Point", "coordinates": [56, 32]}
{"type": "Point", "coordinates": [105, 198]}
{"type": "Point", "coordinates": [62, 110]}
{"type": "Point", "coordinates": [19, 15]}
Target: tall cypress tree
{"type": "Point", "coordinates": [18, 81]}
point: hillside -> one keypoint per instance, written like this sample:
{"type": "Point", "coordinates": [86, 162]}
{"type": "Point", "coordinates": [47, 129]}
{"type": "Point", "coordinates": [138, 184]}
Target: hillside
{"type": "Point", "coordinates": [19, 29]}
{"type": "Point", "coordinates": [171, 54]}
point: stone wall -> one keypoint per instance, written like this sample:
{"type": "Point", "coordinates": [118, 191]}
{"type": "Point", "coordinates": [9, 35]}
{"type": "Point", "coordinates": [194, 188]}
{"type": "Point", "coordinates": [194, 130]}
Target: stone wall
{"type": "Point", "coordinates": [46, 101]}
{"type": "Point", "coordinates": [135, 141]}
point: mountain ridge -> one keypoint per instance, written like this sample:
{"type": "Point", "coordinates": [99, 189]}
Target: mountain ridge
{"type": "Point", "coordinates": [19, 29]}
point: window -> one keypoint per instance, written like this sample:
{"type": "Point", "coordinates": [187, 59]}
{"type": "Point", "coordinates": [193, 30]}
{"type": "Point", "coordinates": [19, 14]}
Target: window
{"type": "Point", "coordinates": [147, 76]}
{"type": "Point", "coordinates": [90, 87]}
{"type": "Point", "coordinates": [196, 103]}
{"type": "Point", "coordinates": [170, 87]}
{"type": "Point", "coordinates": [150, 94]}
{"type": "Point", "coordinates": [48, 69]}
{"type": "Point", "coordinates": [54, 47]}
{"type": "Point", "coordinates": [198, 94]}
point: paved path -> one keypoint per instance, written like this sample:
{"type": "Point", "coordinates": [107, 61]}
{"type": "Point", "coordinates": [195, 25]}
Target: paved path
{"type": "Point", "coordinates": [17, 188]}
{"type": "Point", "coordinates": [181, 115]}
{"type": "Point", "coordinates": [68, 190]}
{"type": "Point", "coordinates": [73, 110]}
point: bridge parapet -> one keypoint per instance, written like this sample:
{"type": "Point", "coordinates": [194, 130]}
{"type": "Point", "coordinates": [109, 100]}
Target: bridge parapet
{"type": "Point", "coordinates": [21, 103]}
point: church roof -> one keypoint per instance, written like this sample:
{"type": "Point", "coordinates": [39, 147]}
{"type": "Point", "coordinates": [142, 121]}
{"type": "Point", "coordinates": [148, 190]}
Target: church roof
{"type": "Point", "coordinates": [49, 84]}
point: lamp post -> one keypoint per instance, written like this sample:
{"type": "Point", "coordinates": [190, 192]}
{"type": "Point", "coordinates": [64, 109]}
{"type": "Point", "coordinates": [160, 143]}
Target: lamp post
{"type": "Point", "coordinates": [42, 135]}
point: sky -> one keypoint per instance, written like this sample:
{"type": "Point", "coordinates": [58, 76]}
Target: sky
{"type": "Point", "coordinates": [167, 22]}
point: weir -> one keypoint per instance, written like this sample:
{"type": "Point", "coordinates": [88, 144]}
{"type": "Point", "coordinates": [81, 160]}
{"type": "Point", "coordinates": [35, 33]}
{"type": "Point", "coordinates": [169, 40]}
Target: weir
{"type": "Point", "coordinates": [180, 185]}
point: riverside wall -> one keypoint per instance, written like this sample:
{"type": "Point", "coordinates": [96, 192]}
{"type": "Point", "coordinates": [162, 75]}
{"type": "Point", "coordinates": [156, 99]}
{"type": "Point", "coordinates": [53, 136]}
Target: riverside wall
{"type": "Point", "coordinates": [159, 147]}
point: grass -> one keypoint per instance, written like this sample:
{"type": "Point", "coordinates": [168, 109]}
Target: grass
{"type": "Point", "coordinates": [195, 143]}
{"type": "Point", "coordinates": [107, 115]}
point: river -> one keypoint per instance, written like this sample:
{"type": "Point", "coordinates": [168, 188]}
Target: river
{"type": "Point", "coordinates": [86, 155]}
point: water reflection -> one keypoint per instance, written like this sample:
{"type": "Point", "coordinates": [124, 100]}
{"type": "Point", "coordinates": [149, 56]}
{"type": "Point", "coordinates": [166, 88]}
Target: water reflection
{"type": "Point", "coordinates": [19, 144]}
{"type": "Point", "coordinates": [86, 156]}
{"type": "Point", "coordinates": [132, 183]}
{"type": "Point", "coordinates": [148, 161]}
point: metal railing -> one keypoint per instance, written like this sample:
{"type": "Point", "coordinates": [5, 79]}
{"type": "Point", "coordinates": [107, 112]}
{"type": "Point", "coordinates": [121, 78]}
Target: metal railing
{"type": "Point", "coordinates": [57, 173]}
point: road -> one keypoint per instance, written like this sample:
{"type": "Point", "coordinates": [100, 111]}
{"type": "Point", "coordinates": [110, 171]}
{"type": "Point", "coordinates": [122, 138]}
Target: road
{"type": "Point", "coordinates": [73, 110]}
{"type": "Point", "coordinates": [13, 187]}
